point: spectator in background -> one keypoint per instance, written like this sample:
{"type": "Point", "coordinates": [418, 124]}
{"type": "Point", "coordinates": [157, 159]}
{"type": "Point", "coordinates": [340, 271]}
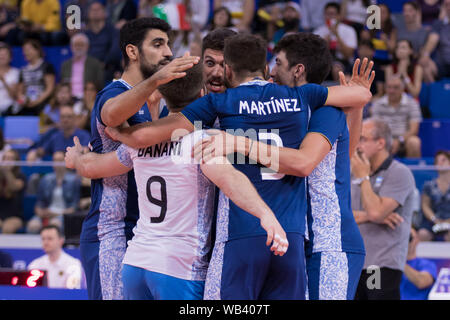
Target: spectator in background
{"type": "Point", "coordinates": [382, 192]}
{"type": "Point", "coordinates": [419, 274]}
{"type": "Point", "coordinates": [405, 65]}
{"type": "Point", "coordinates": [103, 40]}
{"type": "Point", "coordinates": [36, 81]}
{"type": "Point", "coordinates": [58, 194]}
{"type": "Point", "coordinates": [83, 107]}
{"type": "Point", "coordinates": [291, 22]}
{"type": "Point", "coordinates": [12, 186]}
{"type": "Point", "coordinates": [242, 12]}
{"type": "Point", "coordinates": [402, 113]}
{"type": "Point", "coordinates": [40, 19]}
{"type": "Point", "coordinates": [120, 11]}
{"type": "Point", "coordinates": [410, 27]}
{"type": "Point", "coordinates": [366, 49]}
{"type": "Point", "coordinates": [342, 39]}
{"type": "Point", "coordinates": [430, 11]}
{"type": "Point", "coordinates": [9, 11]}
{"type": "Point", "coordinates": [81, 68]}
{"type": "Point", "coordinates": [63, 270]}
{"type": "Point", "coordinates": [3, 145]}
{"type": "Point", "coordinates": [212, 58]}
{"type": "Point", "coordinates": [354, 13]}
{"type": "Point", "coordinates": [60, 138]}
{"type": "Point", "coordinates": [49, 117]}
{"type": "Point", "coordinates": [383, 39]}
{"type": "Point", "coordinates": [436, 199]}
{"type": "Point", "coordinates": [312, 12]}
{"type": "Point", "coordinates": [9, 78]}
{"type": "Point", "coordinates": [435, 57]}
{"type": "Point", "coordinates": [221, 19]}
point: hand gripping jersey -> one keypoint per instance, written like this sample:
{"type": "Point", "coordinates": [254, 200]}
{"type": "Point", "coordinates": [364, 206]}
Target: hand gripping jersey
{"type": "Point", "coordinates": [176, 202]}
{"type": "Point", "coordinates": [273, 114]}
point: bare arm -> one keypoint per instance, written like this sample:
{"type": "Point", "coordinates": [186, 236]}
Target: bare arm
{"type": "Point", "coordinates": [421, 279]}
{"type": "Point", "coordinates": [12, 183]}
{"type": "Point", "coordinates": [93, 165]}
{"type": "Point", "coordinates": [354, 123]}
{"type": "Point", "coordinates": [415, 87]}
{"type": "Point", "coordinates": [151, 133]}
{"type": "Point", "coordinates": [120, 108]}
{"type": "Point", "coordinates": [413, 129]}
{"type": "Point", "coordinates": [236, 186]}
{"type": "Point", "coordinates": [377, 208]}
{"type": "Point", "coordinates": [430, 45]}
{"type": "Point", "coordinates": [426, 208]}
{"type": "Point", "coordinates": [298, 162]}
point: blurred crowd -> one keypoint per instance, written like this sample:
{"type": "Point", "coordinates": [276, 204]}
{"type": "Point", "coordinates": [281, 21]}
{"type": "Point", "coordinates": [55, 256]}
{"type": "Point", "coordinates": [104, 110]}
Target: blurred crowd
{"type": "Point", "coordinates": [411, 48]}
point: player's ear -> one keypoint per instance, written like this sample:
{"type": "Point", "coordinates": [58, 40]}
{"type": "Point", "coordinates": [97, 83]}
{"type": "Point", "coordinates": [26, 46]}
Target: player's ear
{"type": "Point", "coordinates": [266, 72]}
{"type": "Point", "coordinates": [299, 71]}
{"type": "Point", "coordinates": [132, 52]}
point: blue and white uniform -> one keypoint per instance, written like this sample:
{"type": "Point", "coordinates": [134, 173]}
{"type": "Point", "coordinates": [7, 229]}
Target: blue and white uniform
{"type": "Point", "coordinates": [168, 256]}
{"type": "Point", "coordinates": [335, 250]}
{"type": "Point", "coordinates": [114, 209]}
{"type": "Point", "coordinates": [276, 115]}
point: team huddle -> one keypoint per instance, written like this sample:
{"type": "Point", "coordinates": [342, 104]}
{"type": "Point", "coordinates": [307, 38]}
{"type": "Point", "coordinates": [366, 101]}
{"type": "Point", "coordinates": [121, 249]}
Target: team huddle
{"type": "Point", "coordinates": [210, 181]}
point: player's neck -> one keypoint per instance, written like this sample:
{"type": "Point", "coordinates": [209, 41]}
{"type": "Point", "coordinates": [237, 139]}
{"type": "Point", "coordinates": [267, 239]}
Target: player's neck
{"type": "Point", "coordinates": [132, 76]}
{"type": "Point", "coordinates": [250, 78]}
{"type": "Point", "coordinates": [300, 82]}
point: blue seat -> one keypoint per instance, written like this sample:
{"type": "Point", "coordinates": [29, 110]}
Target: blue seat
{"type": "Point", "coordinates": [55, 55]}
{"type": "Point", "coordinates": [439, 99]}
{"type": "Point", "coordinates": [21, 131]}
{"type": "Point", "coordinates": [434, 134]}
{"type": "Point", "coordinates": [422, 176]}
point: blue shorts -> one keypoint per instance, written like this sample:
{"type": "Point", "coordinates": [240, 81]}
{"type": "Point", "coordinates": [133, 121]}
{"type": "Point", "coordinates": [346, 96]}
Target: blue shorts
{"type": "Point", "coordinates": [142, 284]}
{"type": "Point", "coordinates": [102, 263]}
{"type": "Point", "coordinates": [89, 260]}
{"type": "Point", "coordinates": [333, 275]}
{"type": "Point", "coordinates": [246, 269]}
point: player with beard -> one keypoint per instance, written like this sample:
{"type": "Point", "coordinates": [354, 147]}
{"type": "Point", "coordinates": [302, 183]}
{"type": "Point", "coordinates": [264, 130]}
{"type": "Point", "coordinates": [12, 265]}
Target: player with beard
{"type": "Point", "coordinates": [252, 106]}
{"type": "Point", "coordinates": [114, 210]}
{"type": "Point", "coordinates": [212, 56]}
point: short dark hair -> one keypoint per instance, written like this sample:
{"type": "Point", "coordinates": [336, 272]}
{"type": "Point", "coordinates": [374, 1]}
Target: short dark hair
{"type": "Point", "coordinates": [310, 50]}
{"type": "Point", "coordinates": [335, 5]}
{"type": "Point", "coordinates": [445, 153]}
{"type": "Point", "coordinates": [134, 32]}
{"type": "Point", "coordinates": [413, 4]}
{"type": "Point", "coordinates": [52, 226]}
{"type": "Point", "coordinates": [245, 53]}
{"type": "Point", "coordinates": [36, 44]}
{"type": "Point", "coordinates": [215, 40]}
{"type": "Point", "coordinates": [180, 92]}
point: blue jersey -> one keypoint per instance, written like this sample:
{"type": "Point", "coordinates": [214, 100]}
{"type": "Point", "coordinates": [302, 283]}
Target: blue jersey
{"type": "Point", "coordinates": [331, 225]}
{"type": "Point", "coordinates": [273, 114]}
{"type": "Point", "coordinates": [114, 208]}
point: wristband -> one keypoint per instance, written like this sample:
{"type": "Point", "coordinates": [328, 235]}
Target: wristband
{"type": "Point", "coordinates": [358, 181]}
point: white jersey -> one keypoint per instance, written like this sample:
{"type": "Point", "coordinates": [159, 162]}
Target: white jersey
{"type": "Point", "coordinates": [66, 272]}
{"type": "Point", "coordinates": [176, 203]}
